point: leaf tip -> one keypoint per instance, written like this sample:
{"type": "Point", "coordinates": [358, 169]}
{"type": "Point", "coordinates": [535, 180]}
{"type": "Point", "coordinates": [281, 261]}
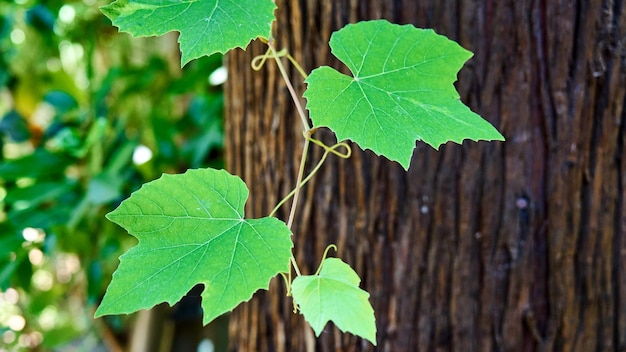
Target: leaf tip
{"type": "Point", "coordinates": [98, 313]}
{"type": "Point", "coordinates": [492, 134]}
{"type": "Point", "coordinates": [110, 215]}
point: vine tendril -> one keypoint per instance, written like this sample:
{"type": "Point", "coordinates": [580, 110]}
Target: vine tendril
{"type": "Point", "coordinates": [319, 268]}
{"type": "Point", "coordinates": [258, 61]}
{"type": "Point", "coordinates": [327, 150]}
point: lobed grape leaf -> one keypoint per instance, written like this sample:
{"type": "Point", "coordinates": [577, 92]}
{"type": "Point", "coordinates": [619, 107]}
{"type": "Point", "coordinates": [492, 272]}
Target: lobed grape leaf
{"type": "Point", "coordinates": [191, 230]}
{"type": "Point", "coordinates": [402, 90]}
{"type": "Point", "coordinates": [334, 294]}
{"type": "Point", "coordinates": [205, 26]}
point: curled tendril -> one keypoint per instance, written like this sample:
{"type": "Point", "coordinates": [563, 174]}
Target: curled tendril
{"type": "Point", "coordinates": [258, 61]}
{"type": "Point", "coordinates": [332, 149]}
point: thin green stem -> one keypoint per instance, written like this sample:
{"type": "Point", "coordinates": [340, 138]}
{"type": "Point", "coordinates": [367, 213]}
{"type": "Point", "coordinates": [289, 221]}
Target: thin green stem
{"type": "Point", "coordinates": [305, 148]}
{"type": "Point", "coordinates": [296, 196]}
{"type": "Point", "coordinates": [292, 91]}
{"type": "Point", "coordinates": [287, 282]}
{"type": "Point", "coordinates": [304, 182]}
{"type": "Point", "coordinates": [327, 151]}
{"type": "Point", "coordinates": [295, 267]}
{"type": "Point", "coordinates": [257, 63]}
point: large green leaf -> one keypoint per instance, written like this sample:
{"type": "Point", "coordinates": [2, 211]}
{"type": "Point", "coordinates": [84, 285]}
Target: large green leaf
{"type": "Point", "coordinates": [401, 90]}
{"type": "Point", "coordinates": [334, 294]}
{"type": "Point", "coordinates": [191, 230]}
{"type": "Point", "coordinates": [205, 26]}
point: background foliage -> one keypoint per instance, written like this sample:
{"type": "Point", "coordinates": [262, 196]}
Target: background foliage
{"type": "Point", "coordinates": [79, 104]}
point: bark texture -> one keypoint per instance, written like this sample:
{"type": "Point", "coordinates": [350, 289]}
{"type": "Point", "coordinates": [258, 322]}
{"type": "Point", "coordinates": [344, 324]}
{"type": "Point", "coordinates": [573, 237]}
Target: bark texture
{"type": "Point", "coordinates": [514, 246]}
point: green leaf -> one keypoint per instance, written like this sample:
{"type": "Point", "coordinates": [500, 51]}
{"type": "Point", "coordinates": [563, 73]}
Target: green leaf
{"type": "Point", "coordinates": [205, 26]}
{"type": "Point", "coordinates": [191, 230]}
{"type": "Point", "coordinates": [401, 90]}
{"type": "Point", "coordinates": [40, 164]}
{"type": "Point", "coordinates": [334, 294]}
{"type": "Point", "coordinates": [38, 193]}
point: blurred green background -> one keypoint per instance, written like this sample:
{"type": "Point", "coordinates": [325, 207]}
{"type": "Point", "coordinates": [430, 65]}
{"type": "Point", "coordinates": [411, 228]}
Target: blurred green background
{"type": "Point", "coordinates": [87, 115]}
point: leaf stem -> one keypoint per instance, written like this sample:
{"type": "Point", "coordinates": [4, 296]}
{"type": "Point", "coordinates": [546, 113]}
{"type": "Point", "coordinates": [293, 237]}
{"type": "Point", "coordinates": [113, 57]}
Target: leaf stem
{"type": "Point", "coordinates": [294, 96]}
{"type": "Point", "coordinates": [329, 247]}
{"type": "Point", "coordinates": [296, 195]}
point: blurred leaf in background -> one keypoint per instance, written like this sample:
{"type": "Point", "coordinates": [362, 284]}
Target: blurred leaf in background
{"type": "Point", "coordinates": [86, 116]}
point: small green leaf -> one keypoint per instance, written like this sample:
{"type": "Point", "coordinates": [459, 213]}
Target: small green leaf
{"type": "Point", "coordinates": [206, 26]}
{"type": "Point", "coordinates": [401, 90]}
{"type": "Point", "coordinates": [191, 230]}
{"type": "Point", "coordinates": [334, 294]}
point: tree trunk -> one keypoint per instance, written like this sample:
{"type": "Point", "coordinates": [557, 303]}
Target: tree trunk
{"type": "Point", "coordinates": [513, 246]}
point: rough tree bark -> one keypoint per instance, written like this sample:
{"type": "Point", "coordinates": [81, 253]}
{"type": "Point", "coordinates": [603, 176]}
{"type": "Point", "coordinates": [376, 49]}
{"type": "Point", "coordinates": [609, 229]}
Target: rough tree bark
{"type": "Point", "coordinates": [514, 246]}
